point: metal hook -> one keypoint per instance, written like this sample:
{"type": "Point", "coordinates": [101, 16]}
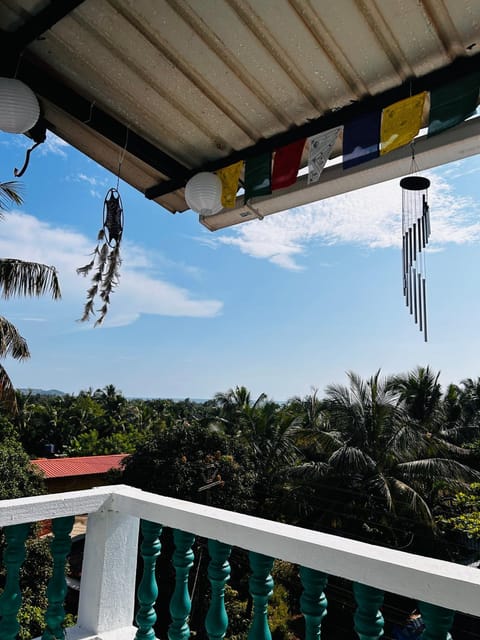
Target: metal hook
{"type": "Point", "coordinates": [16, 172]}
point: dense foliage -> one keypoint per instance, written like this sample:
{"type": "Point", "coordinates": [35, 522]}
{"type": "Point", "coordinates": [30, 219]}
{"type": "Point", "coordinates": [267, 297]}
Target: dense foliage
{"type": "Point", "coordinates": [376, 459]}
{"type": "Point", "coordinates": [19, 479]}
{"type": "Point", "coordinates": [394, 461]}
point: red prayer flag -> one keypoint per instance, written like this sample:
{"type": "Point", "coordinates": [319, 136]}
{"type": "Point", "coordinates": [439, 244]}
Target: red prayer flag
{"type": "Point", "coordinates": [286, 164]}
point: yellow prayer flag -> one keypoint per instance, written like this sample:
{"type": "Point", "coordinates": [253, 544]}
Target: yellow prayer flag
{"type": "Point", "coordinates": [229, 177]}
{"type": "Point", "coordinates": [401, 122]}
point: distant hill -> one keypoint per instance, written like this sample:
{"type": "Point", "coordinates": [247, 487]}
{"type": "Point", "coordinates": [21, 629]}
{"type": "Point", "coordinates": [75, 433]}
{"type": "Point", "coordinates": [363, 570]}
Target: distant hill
{"type": "Point", "coordinates": [42, 392]}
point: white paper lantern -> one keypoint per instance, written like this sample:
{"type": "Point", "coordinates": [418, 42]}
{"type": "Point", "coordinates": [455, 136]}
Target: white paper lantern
{"type": "Point", "coordinates": [19, 108]}
{"type": "Point", "coordinates": [203, 193]}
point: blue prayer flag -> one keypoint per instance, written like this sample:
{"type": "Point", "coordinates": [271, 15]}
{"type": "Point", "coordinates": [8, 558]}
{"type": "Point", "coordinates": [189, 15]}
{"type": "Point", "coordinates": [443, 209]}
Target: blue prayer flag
{"type": "Point", "coordinates": [361, 139]}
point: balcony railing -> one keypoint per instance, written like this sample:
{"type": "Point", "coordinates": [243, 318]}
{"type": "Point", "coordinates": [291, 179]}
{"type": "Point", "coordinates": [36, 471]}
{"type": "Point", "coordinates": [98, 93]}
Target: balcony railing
{"type": "Point", "coordinates": [108, 593]}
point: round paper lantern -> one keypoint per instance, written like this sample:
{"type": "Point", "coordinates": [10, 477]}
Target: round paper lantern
{"type": "Point", "coordinates": [19, 108]}
{"type": "Point", "coordinates": [203, 193]}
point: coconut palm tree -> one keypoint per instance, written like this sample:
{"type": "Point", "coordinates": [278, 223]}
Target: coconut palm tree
{"type": "Point", "coordinates": [384, 468]}
{"type": "Point", "coordinates": [469, 398]}
{"type": "Point", "coordinates": [18, 278]}
{"type": "Point", "coordinates": [266, 433]}
{"type": "Point", "coordinates": [421, 393]}
{"type": "Point", "coordinates": [314, 435]}
{"type": "Point", "coordinates": [446, 416]}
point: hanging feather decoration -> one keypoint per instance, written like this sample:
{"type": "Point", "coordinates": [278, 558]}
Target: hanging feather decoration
{"type": "Point", "coordinates": [106, 258]}
{"type": "Point", "coordinates": [415, 235]}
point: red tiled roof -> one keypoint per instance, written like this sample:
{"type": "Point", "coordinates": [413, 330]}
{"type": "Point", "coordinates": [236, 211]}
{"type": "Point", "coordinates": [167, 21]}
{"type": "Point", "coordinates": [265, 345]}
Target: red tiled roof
{"type": "Point", "coordinates": [85, 466]}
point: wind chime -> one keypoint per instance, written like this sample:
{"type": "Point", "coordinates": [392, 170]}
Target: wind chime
{"type": "Point", "coordinates": [415, 235]}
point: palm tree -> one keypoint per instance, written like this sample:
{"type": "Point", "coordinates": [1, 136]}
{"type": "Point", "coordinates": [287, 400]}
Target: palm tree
{"type": "Point", "coordinates": [266, 432]}
{"type": "Point", "coordinates": [235, 408]}
{"type": "Point", "coordinates": [18, 278]}
{"type": "Point", "coordinates": [313, 433]}
{"type": "Point", "coordinates": [469, 398]}
{"type": "Point", "coordinates": [383, 467]}
{"type": "Point", "coordinates": [236, 401]}
{"type": "Point", "coordinates": [421, 393]}
{"type": "Point", "coordinates": [450, 417]}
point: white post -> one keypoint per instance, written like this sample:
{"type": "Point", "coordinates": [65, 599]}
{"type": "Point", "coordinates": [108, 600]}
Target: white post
{"type": "Point", "coordinates": [107, 592]}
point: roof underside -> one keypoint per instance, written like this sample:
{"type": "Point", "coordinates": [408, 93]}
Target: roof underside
{"type": "Point", "coordinates": [191, 84]}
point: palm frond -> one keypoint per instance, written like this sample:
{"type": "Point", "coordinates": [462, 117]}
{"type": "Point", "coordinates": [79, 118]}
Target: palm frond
{"type": "Point", "coordinates": [406, 442]}
{"type": "Point", "coordinates": [459, 433]}
{"type": "Point", "coordinates": [8, 397]}
{"type": "Point", "coordinates": [20, 278]}
{"type": "Point", "coordinates": [310, 471]}
{"type": "Point", "coordinates": [379, 485]}
{"type": "Point", "coordinates": [448, 470]}
{"type": "Point", "coordinates": [324, 441]}
{"type": "Point", "coordinates": [11, 342]}
{"type": "Point", "coordinates": [414, 500]}
{"type": "Point", "coordinates": [441, 447]}
{"type": "Point", "coordinates": [10, 194]}
{"type": "Point", "coordinates": [350, 461]}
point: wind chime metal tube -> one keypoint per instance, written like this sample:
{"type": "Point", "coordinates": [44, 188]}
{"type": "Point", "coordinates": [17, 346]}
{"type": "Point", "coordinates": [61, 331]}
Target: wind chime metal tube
{"type": "Point", "coordinates": [420, 306]}
{"type": "Point", "coordinates": [414, 278]}
{"type": "Point", "coordinates": [424, 310]}
{"type": "Point", "coordinates": [415, 235]}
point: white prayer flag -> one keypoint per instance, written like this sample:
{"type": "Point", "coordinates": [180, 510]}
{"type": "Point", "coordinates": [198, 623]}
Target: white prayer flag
{"type": "Point", "coordinates": [320, 149]}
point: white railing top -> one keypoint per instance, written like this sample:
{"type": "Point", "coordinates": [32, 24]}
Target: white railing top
{"type": "Point", "coordinates": [437, 581]}
{"type": "Point", "coordinates": [55, 505]}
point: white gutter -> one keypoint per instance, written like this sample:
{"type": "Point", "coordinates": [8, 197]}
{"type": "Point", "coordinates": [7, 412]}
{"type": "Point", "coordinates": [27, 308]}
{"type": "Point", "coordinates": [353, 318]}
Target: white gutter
{"type": "Point", "coordinates": [457, 143]}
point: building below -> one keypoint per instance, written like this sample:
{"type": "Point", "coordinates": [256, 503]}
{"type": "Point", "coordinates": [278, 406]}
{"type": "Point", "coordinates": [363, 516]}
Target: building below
{"type": "Point", "coordinates": [74, 474]}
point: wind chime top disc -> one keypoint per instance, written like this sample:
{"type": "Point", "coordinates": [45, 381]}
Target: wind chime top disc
{"type": "Point", "coordinates": [415, 183]}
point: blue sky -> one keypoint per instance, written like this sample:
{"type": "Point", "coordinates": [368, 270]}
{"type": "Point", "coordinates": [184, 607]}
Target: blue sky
{"type": "Point", "coordinates": [280, 305]}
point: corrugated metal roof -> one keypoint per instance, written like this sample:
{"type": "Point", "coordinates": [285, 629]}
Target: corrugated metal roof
{"type": "Point", "coordinates": [200, 79]}
{"type": "Point", "coordinates": [81, 466]}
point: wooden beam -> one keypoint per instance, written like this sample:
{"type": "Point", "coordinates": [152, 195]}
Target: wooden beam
{"type": "Point", "coordinates": [45, 85]}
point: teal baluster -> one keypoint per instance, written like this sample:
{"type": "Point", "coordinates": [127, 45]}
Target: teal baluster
{"type": "Point", "coordinates": [11, 598]}
{"type": "Point", "coordinates": [438, 621]}
{"type": "Point", "coordinates": [216, 622]}
{"type": "Point", "coordinates": [261, 588]}
{"type": "Point", "coordinates": [313, 603]}
{"type": "Point", "coordinates": [180, 604]}
{"type": "Point", "coordinates": [148, 589]}
{"type": "Point", "coordinates": [368, 619]}
{"type": "Point", "coordinates": [57, 585]}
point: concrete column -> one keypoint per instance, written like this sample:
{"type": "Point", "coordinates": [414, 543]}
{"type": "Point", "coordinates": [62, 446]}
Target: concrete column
{"type": "Point", "coordinates": [107, 592]}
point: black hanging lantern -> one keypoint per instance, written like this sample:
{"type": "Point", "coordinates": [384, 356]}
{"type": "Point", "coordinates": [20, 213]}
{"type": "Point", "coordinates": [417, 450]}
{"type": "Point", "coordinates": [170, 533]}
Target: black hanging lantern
{"type": "Point", "coordinates": [415, 235]}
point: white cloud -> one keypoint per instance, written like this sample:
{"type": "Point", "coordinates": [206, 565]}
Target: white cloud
{"type": "Point", "coordinates": [54, 144]}
{"type": "Point", "coordinates": [24, 236]}
{"type": "Point", "coordinates": [369, 217]}
{"type": "Point", "coordinates": [94, 184]}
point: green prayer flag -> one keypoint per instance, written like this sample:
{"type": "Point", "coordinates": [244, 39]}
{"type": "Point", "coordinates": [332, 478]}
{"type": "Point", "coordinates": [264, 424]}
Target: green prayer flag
{"type": "Point", "coordinates": [258, 176]}
{"type": "Point", "coordinates": [452, 104]}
